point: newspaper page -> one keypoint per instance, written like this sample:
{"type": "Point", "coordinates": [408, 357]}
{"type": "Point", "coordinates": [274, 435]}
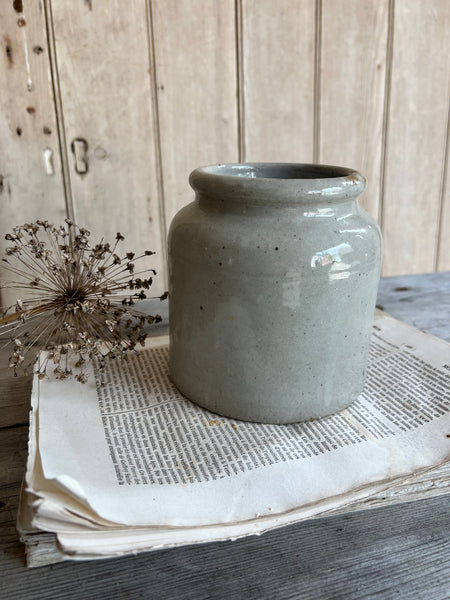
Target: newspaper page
{"type": "Point", "coordinates": [134, 452]}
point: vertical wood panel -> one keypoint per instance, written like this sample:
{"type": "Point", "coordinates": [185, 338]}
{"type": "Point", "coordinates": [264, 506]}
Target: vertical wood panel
{"type": "Point", "coordinates": [146, 128]}
{"type": "Point", "coordinates": [196, 85]}
{"type": "Point", "coordinates": [278, 48]}
{"type": "Point", "coordinates": [443, 243]}
{"type": "Point", "coordinates": [102, 52]}
{"type": "Point", "coordinates": [30, 169]}
{"type": "Point", "coordinates": [317, 79]}
{"type": "Point", "coordinates": [353, 67]}
{"type": "Point", "coordinates": [416, 141]}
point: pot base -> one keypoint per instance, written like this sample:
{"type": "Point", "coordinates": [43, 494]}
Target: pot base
{"type": "Point", "coordinates": [272, 414]}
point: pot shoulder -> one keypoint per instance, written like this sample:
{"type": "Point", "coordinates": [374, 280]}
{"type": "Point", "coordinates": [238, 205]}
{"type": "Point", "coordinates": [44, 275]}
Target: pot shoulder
{"type": "Point", "coordinates": [281, 240]}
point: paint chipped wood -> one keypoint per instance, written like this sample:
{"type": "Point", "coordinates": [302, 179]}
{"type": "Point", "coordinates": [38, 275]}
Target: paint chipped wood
{"type": "Point", "coordinates": [109, 121]}
{"type": "Point", "coordinates": [108, 106]}
{"type": "Point", "coordinates": [28, 128]}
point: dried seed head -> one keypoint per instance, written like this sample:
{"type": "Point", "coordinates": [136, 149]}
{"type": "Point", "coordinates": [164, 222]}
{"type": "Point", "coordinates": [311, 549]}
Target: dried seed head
{"type": "Point", "coordinates": [82, 310]}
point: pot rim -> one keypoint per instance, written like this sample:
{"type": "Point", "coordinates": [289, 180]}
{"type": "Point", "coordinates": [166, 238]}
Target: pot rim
{"type": "Point", "coordinates": [277, 181]}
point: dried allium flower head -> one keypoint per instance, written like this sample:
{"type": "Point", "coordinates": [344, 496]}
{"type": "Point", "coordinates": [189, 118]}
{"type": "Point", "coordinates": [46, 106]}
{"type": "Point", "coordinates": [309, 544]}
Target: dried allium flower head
{"type": "Point", "coordinates": [76, 299]}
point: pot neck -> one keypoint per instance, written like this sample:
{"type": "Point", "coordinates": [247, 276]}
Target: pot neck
{"type": "Point", "coordinates": [277, 184]}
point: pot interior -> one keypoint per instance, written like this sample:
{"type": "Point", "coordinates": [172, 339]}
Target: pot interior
{"type": "Point", "coordinates": [278, 171]}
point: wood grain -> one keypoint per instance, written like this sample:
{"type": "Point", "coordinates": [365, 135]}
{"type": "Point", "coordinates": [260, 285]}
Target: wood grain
{"type": "Point", "coordinates": [417, 135]}
{"type": "Point", "coordinates": [443, 243]}
{"type": "Point", "coordinates": [421, 301]}
{"type": "Point", "coordinates": [106, 96]}
{"type": "Point", "coordinates": [353, 69]}
{"type": "Point", "coordinates": [400, 552]}
{"type": "Point", "coordinates": [15, 394]}
{"type": "Point", "coordinates": [31, 185]}
{"type": "Point", "coordinates": [278, 79]}
{"type": "Point", "coordinates": [195, 57]}
{"type": "Point", "coordinates": [13, 455]}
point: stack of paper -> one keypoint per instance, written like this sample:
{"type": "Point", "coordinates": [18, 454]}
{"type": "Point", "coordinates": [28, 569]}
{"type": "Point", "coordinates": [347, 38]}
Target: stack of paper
{"type": "Point", "coordinates": [131, 465]}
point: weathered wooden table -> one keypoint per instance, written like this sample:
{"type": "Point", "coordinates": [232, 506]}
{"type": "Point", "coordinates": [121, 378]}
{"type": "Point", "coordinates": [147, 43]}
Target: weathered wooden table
{"type": "Point", "coordinates": [400, 548]}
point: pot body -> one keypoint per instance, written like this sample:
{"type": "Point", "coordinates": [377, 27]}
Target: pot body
{"type": "Point", "coordinates": [273, 270]}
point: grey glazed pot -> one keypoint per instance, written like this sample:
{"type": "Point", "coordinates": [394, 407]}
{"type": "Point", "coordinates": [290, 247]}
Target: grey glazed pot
{"type": "Point", "coordinates": [274, 271]}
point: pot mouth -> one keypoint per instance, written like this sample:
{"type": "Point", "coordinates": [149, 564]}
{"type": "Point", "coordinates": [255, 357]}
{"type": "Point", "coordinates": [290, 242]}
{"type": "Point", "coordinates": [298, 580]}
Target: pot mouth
{"type": "Point", "coordinates": [289, 181]}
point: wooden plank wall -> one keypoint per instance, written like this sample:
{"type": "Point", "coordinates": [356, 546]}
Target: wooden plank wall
{"type": "Point", "coordinates": [106, 106]}
{"type": "Point", "coordinates": [104, 82]}
{"type": "Point", "coordinates": [31, 180]}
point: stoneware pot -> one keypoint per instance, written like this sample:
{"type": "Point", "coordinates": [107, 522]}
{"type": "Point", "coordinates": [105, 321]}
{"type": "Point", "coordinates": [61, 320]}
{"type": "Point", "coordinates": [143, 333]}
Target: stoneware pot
{"type": "Point", "coordinates": [274, 271]}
